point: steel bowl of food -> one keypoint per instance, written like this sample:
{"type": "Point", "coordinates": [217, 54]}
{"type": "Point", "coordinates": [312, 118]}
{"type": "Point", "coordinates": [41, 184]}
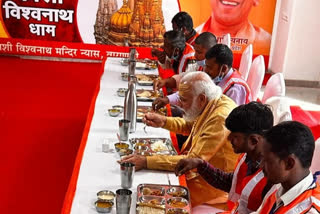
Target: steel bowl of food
{"type": "Point", "coordinates": [118, 107]}
{"type": "Point", "coordinates": [123, 152]}
{"type": "Point", "coordinates": [177, 202]}
{"type": "Point", "coordinates": [106, 195]}
{"type": "Point", "coordinates": [124, 61]}
{"type": "Point", "coordinates": [177, 192]}
{"type": "Point", "coordinates": [124, 76]}
{"type": "Point", "coordinates": [103, 206]}
{"type": "Point", "coordinates": [122, 92]}
{"type": "Point", "coordinates": [114, 112]}
{"type": "Point", "coordinates": [121, 145]}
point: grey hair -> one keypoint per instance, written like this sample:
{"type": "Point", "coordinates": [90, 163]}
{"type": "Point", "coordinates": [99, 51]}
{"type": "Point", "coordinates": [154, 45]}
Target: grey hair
{"type": "Point", "coordinates": [202, 84]}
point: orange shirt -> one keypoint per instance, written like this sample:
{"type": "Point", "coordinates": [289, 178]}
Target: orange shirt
{"type": "Point", "coordinates": [304, 197]}
{"type": "Point", "coordinates": [192, 39]}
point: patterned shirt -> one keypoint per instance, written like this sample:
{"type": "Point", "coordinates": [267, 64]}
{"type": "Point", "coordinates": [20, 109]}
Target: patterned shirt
{"type": "Point", "coordinates": [220, 179]}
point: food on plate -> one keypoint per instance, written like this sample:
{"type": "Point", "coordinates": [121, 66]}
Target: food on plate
{"type": "Point", "coordinates": [141, 144]}
{"type": "Point", "coordinates": [177, 202]}
{"type": "Point", "coordinates": [177, 211]}
{"type": "Point", "coordinates": [151, 64]}
{"type": "Point", "coordinates": [148, 93]}
{"type": "Point", "coordinates": [144, 94]}
{"type": "Point", "coordinates": [154, 202]}
{"type": "Point", "coordinates": [177, 192]}
{"type": "Point", "coordinates": [144, 109]}
{"type": "Point", "coordinates": [142, 77]}
{"type": "Point", "coordinates": [150, 210]}
{"type": "Point", "coordinates": [141, 147]}
{"type": "Point", "coordinates": [142, 152]}
{"type": "Point", "coordinates": [156, 193]}
{"type": "Point", "coordinates": [159, 146]}
{"type": "Point", "coordinates": [146, 78]}
{"type": "Point", "coordinates": [140, 114]}
{"type": "Point", "coordinates": [148, 191]}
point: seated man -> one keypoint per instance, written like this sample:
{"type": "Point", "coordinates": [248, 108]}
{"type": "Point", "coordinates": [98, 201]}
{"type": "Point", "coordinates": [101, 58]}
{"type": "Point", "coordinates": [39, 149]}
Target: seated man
{"type": "Point", "coordinates": [219, 61]}
{"type": "Point", "coordinates": [204, 121]}
{"type": "Point", "coordinates": [176, 52]}
{"type": "Point", "coordinates": [286, 157]}
{"type": "Point", "coordinates": [182, 21]}
{"type": "Point", "coordinates": [202, 44]}
{"type": "Point", "coordinates": [246, 185]}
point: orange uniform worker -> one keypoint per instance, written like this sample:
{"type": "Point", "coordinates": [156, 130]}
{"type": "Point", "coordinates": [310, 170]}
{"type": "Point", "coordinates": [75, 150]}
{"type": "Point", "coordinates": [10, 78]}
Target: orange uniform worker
{"type": "Point", "coordinates": [286, 157]}
{"type": "Point", "coordinates": [176, 52]}
{"type": "Point", "coordinates": [219, 61]}
{"type": "Point", "coordinates": [202, 44]}
{"type": "Point", "coordinates": [182, 21]}
{"type": "Point", "coordinates": [246, 185]}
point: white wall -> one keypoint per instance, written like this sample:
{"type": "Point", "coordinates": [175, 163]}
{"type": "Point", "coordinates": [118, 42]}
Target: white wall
{"type": "Point", "coordinates": [296, 43]}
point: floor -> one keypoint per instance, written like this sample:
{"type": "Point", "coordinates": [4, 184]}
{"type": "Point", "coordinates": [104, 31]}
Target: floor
{"type": "Point", "coordinates": [306, 98]}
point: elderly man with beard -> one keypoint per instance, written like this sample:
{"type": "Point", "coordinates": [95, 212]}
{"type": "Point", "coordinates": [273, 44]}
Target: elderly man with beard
{"type": "Point", "coordinates": [205, 111]}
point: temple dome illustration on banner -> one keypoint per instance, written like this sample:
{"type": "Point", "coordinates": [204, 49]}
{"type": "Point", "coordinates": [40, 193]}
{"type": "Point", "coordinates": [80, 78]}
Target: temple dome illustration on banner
{"type": "Point", "coordinates": [141, 26]}
{"type": "Point", "coordinates": [119, 25]}
{"type": "Point", "coordinates": [148, 27]}
{"type": "Point", "coordinates": [104, 13]}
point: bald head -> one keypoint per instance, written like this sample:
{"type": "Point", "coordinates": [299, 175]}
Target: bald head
{"type": "Point", "coordinates": [206, 39]}
{"type": "Point", "coordinates": [202, 44]}
{"type": "Point", "coordinates": [199, 83]}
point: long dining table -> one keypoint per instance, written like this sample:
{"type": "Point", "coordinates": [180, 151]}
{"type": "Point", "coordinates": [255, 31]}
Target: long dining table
{"type": "Point", "coordinates": [96, 170]}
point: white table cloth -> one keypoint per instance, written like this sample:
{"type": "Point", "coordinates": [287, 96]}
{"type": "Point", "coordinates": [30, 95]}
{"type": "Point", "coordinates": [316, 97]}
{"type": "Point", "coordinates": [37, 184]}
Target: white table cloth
{"type": "Point", "coordinates": [99, 170]}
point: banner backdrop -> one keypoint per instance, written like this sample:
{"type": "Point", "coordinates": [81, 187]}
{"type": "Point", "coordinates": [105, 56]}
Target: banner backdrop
{"type": "Point", "coordinates": [136, 22]}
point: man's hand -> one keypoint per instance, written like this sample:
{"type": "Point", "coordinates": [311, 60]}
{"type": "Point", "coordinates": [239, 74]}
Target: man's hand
{"type": "Point", "coordinates": [169, 83]}
{"type": "Point", "coordinates": [161, 55]}
{"type": "Point", "coordinates": [154, 120]}
{"type": "Point", "coordinates": [139, 161]}
{"type": "Point", "coordinates": [160, 102]}
{"type": "Point", "coordinates": [187, 164]}
{"type": "Point", "coordinates": [158, 84]}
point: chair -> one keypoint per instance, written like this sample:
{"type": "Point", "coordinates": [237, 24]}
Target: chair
{"type": "Point", "coordinates": [246, 61]}
{"type": "Point", "coordinates": [315, 164]}
{"type": "Point", "coordinates": [280, 108]}
{"type": "Point", "coordinates": [226, 40]}
{"type": "Point", "coordinates": [275, 87]}
{"type": "Point", "coordinates": [256, 75]}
